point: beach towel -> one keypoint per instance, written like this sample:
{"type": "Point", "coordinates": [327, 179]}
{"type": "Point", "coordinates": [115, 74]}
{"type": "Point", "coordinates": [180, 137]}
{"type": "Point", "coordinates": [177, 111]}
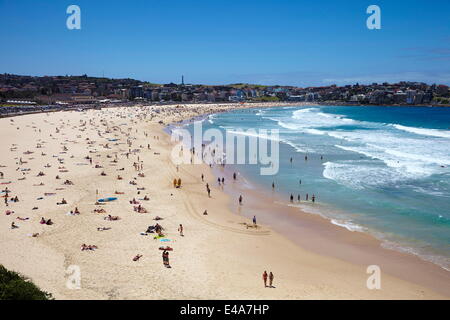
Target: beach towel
{"type": "Point", "coordinates": [107, 199]}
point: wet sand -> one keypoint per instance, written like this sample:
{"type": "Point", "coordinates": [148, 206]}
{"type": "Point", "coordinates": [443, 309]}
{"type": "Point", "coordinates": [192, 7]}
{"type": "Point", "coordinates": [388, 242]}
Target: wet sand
{"type": "Point", "coordinates": [317, 234]}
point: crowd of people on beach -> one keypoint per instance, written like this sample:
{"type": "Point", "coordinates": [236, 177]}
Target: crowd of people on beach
{"type": "Point", "coordinates": [109, 159]}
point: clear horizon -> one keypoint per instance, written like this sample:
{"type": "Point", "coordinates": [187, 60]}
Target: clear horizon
{"type": "Point", "coordinates": [222, 42]}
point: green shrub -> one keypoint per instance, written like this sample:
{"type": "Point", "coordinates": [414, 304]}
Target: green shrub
{"type": "Point", "coordinates": [14, 286]}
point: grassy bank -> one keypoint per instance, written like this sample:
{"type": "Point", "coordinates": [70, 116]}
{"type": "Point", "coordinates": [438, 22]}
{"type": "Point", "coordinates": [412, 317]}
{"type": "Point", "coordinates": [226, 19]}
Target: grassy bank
{"type": "Point", "coordinates": [14, 286]}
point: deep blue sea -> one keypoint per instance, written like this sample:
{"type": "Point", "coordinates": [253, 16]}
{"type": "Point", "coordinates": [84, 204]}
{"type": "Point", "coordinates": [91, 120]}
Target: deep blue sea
{"type": "Point", "coordinates": [384, 170]}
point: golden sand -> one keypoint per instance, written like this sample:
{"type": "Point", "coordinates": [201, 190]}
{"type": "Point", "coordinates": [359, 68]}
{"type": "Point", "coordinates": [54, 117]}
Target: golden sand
{"type": "Point", "coordinates": [217, 258]}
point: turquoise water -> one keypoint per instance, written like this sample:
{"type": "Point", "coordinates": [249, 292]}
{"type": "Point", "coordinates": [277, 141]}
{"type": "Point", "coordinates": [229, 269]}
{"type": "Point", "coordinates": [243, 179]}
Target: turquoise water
{"type": "Point", "coordinates": [384, 170]}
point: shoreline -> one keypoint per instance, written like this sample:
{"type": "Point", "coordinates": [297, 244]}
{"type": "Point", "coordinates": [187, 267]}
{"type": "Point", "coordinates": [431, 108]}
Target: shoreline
{"type": "Point", "coordinates": [320, 226]}
{"type": "Point", "coordinates": [248, 104]}
{"type": "Point", "coordinates": [218, 257]}
{"type": "Point", "coordinates": [317, 233]}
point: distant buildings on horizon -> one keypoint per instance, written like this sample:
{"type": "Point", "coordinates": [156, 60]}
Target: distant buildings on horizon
{"type": "Point", "coordinates": [84, 90]}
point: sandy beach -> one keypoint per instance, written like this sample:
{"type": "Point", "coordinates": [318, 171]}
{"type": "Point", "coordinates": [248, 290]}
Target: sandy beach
{"type": "Point", "coordinates": [125, 154]}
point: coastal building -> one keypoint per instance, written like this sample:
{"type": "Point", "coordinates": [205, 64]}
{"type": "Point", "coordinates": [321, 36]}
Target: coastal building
{"type": "Point", "coordinates": [411, 96]}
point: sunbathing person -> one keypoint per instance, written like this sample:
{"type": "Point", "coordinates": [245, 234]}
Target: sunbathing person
{"type": "Point", "coordinates": [48, 222]}
{"type": "Point", "coordinates": [103, 229]}
{"type": "Point", "coordinates": [140, 209]}
{"type": "Point", "coordinates": [112, 218]}
{"type": "Point", "coordinates": [137, 257]}
{"type": "Point", "coordinates": [85, 247]}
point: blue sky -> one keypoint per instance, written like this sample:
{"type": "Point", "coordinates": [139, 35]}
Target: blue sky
{"type": "Point", "coordinates": [294, 42]}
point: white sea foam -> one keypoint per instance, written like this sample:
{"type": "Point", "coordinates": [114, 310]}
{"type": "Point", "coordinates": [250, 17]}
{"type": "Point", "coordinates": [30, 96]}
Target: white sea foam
{"type": "Point", "coordinates": [348, 225]}
{"type": "Point", "coordinates": [310, 118]}
{"type": "Point", "coordinates": [443, 262]}
{"type": "Point", "coordinates": [357, 175]}
{"type": "Point", "coordinates": [424, 131]}
{"type": "Point", "coordinates": [295, 146]}
{"type": "Point", "coordinates": [412, 155]}
{"type": "Point", "coordinates": [313, 118]}
{"type": "Point", "coordinates": [253, 134]}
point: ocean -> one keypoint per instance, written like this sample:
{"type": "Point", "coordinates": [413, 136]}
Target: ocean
{"type": "Point", "coordinates": [381, 170]}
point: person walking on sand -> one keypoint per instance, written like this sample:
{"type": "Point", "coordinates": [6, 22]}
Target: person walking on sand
{"type": "Point", "coordinates": [270, 279]}
{"type": "Point", "coordinates": [180, 230]}
{"type": "Point", "coordinates": [264, 276]}
{"type": "Point", "coordinates": [208, 190]}
{"type": "Point", "coordinates": [240, 200]}
{"type": "Point", "coordinates": [203, 177]}
{"type": "Point", "coordinates": [254, 221]}
{"type": "Point", "coordinates": [165, 256]}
